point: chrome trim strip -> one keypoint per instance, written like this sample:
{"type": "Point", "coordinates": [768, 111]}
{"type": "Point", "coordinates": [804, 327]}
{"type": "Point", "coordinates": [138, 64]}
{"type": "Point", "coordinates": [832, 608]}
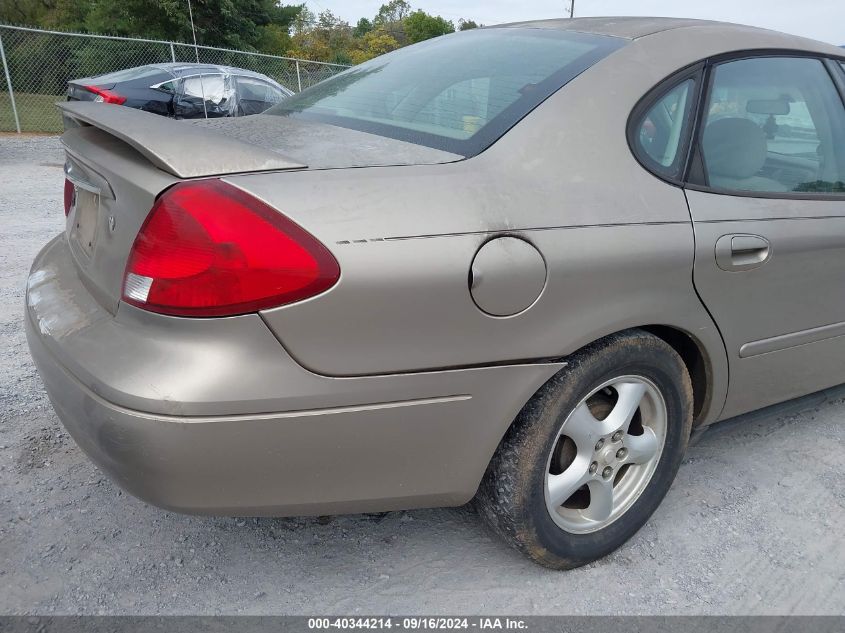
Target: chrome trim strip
{"type": "Point", "coordinates": [80, 182]}
{"type": "Point", "coordinates": [282, 414]}
{"type": "Point", "coordinates": [793, 339]}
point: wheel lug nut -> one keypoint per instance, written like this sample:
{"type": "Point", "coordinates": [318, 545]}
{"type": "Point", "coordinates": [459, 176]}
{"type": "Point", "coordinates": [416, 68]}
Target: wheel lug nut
{"type": "Point", "coordinates": [593, 468]}
{"type": "Point", "coordinates": [621, 453]}
{"type": "Point", "coordinates": [599, 444]}
{"type": "Point", "coordinates": [617, 436]}
{"type": "Point", "coordinates": [607, 472]}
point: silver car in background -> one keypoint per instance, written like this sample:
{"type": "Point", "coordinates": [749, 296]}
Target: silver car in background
{"type": "Point", "coordinates": [518, 264]}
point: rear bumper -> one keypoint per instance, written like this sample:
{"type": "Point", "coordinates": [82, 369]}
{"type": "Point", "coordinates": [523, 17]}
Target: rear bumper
{"type": "Point", "coordinates": [213, 416]}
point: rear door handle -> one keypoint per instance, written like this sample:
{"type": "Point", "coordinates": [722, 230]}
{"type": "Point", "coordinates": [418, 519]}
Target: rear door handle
{"type": "Point", "coordinates": [739, 252]}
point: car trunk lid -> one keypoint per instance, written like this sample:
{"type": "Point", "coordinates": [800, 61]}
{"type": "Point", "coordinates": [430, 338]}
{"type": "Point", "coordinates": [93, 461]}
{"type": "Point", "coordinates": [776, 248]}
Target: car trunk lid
{"type": "Point", "coordinates": [119, 160]}
{"type": "Point", "coordinates": [78, 90]}
{"type": "Point", "coordinates": [175, 147]}
{"type": "Point", "coordinates": [323, 146]}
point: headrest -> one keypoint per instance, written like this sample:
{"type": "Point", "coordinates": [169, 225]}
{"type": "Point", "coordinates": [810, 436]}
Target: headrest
{"type": "Point", "coordinates": [734, 147]}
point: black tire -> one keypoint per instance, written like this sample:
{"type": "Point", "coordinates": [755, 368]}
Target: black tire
{"type": "Point", "coordinates": [511, 498]}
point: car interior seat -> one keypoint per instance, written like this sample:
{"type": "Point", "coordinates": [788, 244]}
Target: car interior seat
{"type": "Point", "coordinates": [735, 150]}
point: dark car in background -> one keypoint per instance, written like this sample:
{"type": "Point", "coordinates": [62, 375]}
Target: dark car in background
{"type": "Point", "coordinates": [183, 91]}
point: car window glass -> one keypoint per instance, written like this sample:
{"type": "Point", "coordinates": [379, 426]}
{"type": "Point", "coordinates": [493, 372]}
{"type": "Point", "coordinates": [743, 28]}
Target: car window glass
{"type": "Point", "coordinates": [459, 103]}
{"type": "Point", "coordinates": [165, 86]}
{"type": "Point", "coordinates": [774, 124]}
{"type": "Point", "coordinates": [663, 127]}
{"type": "Point", "coordinates": [257, 90]}
{"type": "Point", "coordinates": [208, 87]}
{"type": "Point", "coordinates": [459, 92]}
{"type": "Point", "coordinates": [462, 106]}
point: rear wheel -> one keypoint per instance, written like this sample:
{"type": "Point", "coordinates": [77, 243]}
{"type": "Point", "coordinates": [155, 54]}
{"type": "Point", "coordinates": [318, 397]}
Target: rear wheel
{"type": "Point", "coordinates": [591, 456]}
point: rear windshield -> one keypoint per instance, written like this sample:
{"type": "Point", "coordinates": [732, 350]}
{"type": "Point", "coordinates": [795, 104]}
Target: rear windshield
{"type": "Point", "coordinates": [457, 93]}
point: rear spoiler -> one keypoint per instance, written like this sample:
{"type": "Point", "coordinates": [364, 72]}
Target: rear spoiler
{"type": "Point", "coordinates": [186, 151]}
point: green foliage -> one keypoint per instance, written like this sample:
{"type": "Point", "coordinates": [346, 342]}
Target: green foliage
{"type": "Point", "coordinates": [24, 11]}
{"type": "Point", "coordinates": [227, 23]}
{"type": "Point", "coordinates": [392, 12]}
{"type": "Point", "coordinates": [376, 42]}
{"type": "Point", "coordinates": [363, 27]}
{"type": "Point", "coordinates": [466, 25]}
{"type": "Point", "coordinates": [65, 14]}
{"type": "Point", "coordinates": [71, 57]}
{"type": "Point", "coordinates": [391, 19]}
{"type": "Point", "coordinates": [241, 24]}
{"type": "Point", "coordinates": [252, 25]}
{"type": "Point", "coordinates": [274, 38]}
{"type": "Point", "coordinates": [327, 38]}
{"type": "Point", "coordinates": [420, 26]}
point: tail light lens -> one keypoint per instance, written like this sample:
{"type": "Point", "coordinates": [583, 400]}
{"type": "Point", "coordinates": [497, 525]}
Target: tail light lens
{"type": "Point", "coordinates": [70, 194]}
{"type": "Point", "coordinates": [210, 249]}
{"type": "Point", "coordinates": [106, 96]}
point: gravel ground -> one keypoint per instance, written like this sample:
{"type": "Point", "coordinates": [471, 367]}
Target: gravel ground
{"type": "Point", "coordinates": [752, 525]}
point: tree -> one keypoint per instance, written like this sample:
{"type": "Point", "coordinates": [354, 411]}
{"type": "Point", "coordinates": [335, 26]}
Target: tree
{"type": "Point", "coordinates": [238, 24]}
{"type": "Point", "coordinates": [274, 40]}
{"type": "Point", "coordinates": [24, 11]}
{"type": "Point", "coordinates": [391, 18]}
{"type": "Point", "coordinates": [304, 21]}
{"type": "Point", "coordinates": [393, 11]}
{"type": "Point", "coordinates": [420, 26]}
{"type": "Point", "coordinates": [466, 25]}
{"type": "Point", "coordinates": [324, 38]}
{"type": "Point", "coordinates": [363, 27]}
{"type": "Point", "coordinates": [376, 42]}
{"type": "Point", "coordinates": [260, 25]}
{"type": "Point", "coordinates": [65, 15]}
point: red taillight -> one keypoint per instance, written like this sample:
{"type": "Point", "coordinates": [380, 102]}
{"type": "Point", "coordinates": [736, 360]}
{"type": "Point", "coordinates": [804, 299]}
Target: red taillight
{"type": "Point", "coordinates": [70, 193]}
{"type": "Point", "coordinates": [210, 249]}
{"type": "Point", "coordinates": [107, 96]}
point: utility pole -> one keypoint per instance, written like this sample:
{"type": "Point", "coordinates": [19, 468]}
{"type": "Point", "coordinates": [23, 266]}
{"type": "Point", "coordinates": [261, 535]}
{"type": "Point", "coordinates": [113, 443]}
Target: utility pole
{"type": "Point", "coordinates": [572, 9]}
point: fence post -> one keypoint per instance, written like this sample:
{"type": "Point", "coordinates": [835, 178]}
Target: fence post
{"type": "Point", "coordinates": [298, 77]}
{"type": "Point", "coordinates": [9, 83]}
{"type": "Point", "coordinates": [172, 53]}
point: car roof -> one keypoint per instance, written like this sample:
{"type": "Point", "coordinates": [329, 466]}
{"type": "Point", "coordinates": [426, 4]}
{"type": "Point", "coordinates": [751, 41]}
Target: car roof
{"type": "Point", "coordinates": [625, 27]}
{"type": "Point", "coordinates": [633, 28]}
{"type": "Point", "coordinates": [184, 69]}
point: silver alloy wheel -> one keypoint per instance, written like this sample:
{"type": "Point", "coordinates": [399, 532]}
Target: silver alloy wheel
{"type": "Point", "coordinates": [597, 469]}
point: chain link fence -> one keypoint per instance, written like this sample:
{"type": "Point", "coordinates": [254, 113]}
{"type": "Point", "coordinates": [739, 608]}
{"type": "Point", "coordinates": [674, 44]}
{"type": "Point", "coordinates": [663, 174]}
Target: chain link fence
{"type": "Point", "coordinates": [38, 64]}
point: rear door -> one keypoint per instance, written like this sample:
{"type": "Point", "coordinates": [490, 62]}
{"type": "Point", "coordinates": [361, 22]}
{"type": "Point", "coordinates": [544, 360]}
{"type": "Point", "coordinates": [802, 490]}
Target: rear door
{"type": "Point", "coordinates": [255, 96]}
{"type": "Point", "coordinates": [768, 207]}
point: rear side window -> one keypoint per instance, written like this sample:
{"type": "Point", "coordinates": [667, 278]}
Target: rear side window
{"type": "Point", "coordinates": [774, 125]}
{"type": "Point", "coordinates": [257, 90]}
{"type": "Point", "coordinates": [255, 96]}
{"type": "Point", "coordinates": [662, 130]}
{"type": "Point", "coordinates": [458, 92]}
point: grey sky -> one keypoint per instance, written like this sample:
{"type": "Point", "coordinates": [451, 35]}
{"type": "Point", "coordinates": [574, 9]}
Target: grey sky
{"type": "Point", "coordinates": [819, 19]}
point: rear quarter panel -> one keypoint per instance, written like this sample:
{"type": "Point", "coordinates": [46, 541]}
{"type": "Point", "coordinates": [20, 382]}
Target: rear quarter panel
{"type": "Point", "coordinates": [617, 242]}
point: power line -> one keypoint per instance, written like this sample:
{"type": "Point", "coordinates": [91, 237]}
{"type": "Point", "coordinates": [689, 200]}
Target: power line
{"type": "Point", "coordinates": [197, 51]}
